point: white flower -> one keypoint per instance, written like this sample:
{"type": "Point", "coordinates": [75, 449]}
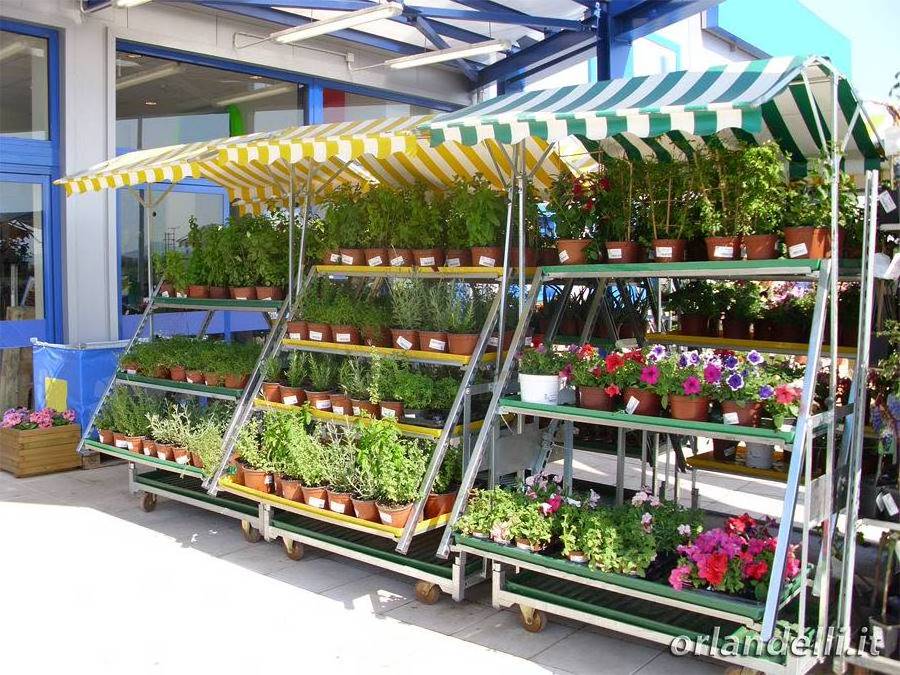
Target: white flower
{"type": "Point", "coordinates": [654, 501]}
{"type": "Point", "coordinates": [684, 530]}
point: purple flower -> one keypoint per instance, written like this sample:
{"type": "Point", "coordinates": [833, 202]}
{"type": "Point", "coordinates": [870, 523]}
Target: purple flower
{"type": "Point", "coordinates": [731, 362]}
{"type": "Point", "coordinates": [766, 392]}
{"type": "Point", "coordinates": [893, 404]}
{"type": "Point", "coordinates": [691, 386]}
{"type": "Point", "coordinates": [735, 381]}
{"type": "Point", "coordinates": [754, 358]}
{"type": "Point", "coordinates": [693, 357]}
{"type": "Point", "coordinates": [541, 348]}
{"type": "Point", "coordinates": [877, 419]}
{"type": "Point", "coordinates": [573, 348]}
{"type": "Point", "coordinates": [657, 353]}
{"type": "Point", "coordinates": [682, 361]}
{"type": "Point", "coordinates": [712, 373]}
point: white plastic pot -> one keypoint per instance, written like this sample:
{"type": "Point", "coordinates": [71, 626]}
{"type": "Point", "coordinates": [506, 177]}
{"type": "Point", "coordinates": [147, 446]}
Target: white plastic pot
{"type": "Point", "coordinates": [759, 455]}
{"type": "Point", "coordinates": [539, 389]}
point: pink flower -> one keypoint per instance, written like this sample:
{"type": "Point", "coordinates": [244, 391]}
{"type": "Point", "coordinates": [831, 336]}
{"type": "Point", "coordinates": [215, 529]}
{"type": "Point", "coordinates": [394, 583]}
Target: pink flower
{"type": "Point", "coordinates": [712, 373]}
{"type": "Point", "coordinates": [647, 522]}
{"type": "Point", "coordinates": [786, 394]}
{"type": "Point", "coordinates": [680, 577]}
{"type": "Point", "coordinates": [611, 390]}
{"type": "Point", "coordinates": [691, 386]}
{"type": "Point", "coordinates": [650, 375]}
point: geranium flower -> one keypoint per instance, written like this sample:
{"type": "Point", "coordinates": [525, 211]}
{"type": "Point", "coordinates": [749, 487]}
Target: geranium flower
{"type": "Point", "coordinates": [785, 394]}
{"type": "Point", "coordinates": [680, 577]}
{"type": "Point", "coordinates": [635, 355]}
{"type": "Point", "coordinates": [650, 375]}
{"type": "Point", "coordinates": [735, 382]}
{"type": "Point", "coordinates": [712, 374]}
{"type": "Point", "coordinates": [766, 392]}
{"type": "Point", "coordinates": [731, 362]}
{"type": "Point", "coordinates": [639, 498]}
{"type": "Point", "coordinates": [754, 358]}
{"type": "Point", "coordinates": [756, 570]}
{"type": "Point", "coordinates": [587, 351]}
{"type": "Point", "coordinates": [713, 567]}
{"type": "Point", "coordinates": [611, 390]}
{"type": "Point", "coordinates": [691, 386]}
{"type": "Point", "coordinates": [614, 361]}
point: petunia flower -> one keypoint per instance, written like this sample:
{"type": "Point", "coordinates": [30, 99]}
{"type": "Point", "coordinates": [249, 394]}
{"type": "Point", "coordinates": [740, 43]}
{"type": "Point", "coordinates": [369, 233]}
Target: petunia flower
{"type": "Point", "coordinates": [754, 358]}
{"type": "Point", "coordinates": [735, 382]}
{"type": "Point", "coordinates": [712, 373]}
{"type": "Point", "coordinates": [766, 392]}
{"type": "Point", "coordinates": [650, 375]}
{"type": "Point", "coordinates": [731, 362]}
{"type": "Point", "coordinates": [691, 386]}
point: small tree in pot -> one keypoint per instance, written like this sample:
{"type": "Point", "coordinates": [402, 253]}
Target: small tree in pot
{"type": "Point", "coordinates": [573, 203]}
{"type": "Point", "coordinates": [408, 312]}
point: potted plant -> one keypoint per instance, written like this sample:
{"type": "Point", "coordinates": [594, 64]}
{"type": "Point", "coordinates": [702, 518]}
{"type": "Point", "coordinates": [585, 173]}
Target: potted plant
{"type": "Point", "coordinates": [697, 307]}
{"type": "Point", "coordinates": [294, 393]}
{"type": "Point", "coordinates": [355, 378]}
{"type": "Point", "coordinates": [531, 528]}
{"type": "Point", "coordinates": [218, 258]}
{"type": "Point", "coordinates": [595, 384]}
{"type": "Point", "coordinates": [104, 422]}
{"type": "Point", "coordinates": [438, 306]}
{"type": "Point", "coordinates": [272, 374]}
{"type": "Point", "coordinates": [446, 484]}
{"type": "Point", "coordinates": [681, 384]}
{"type": "Point", "coordinates": [761, 203]}
{"type": "Point", "coordinates": [456, 231]}
{"type": "Point", "coordinates": [573, 520]}
{"type": "Point", "coordinates": [639, 381]}
{"type": "Point", "coordinates": [322, 370]}
{"type": "Point", "coordinates": [420, 228]}
{"type": "Point", "coordinates": [374, 319]}
{"type": "Point", "coordinates": [408, 312]}
{"type": "Point", "coordinates": [268, 248]}
{"type": "Point", "coordinates": [242, 277]}
{"type": "Point", "coordinates": [539, 380]}
{"type": "Point", "coordinates": [415, 391]}
{"type": "Point", "coordinates": [718, 174]}
{"type": "Point", "coordinates": [204, 443]}
{"type": "Point", "coordinates": [342, 316]}
{"type": "Point", "coordinates": [666, 203]}
{"type": "Point", "coordinates": [616, 212]}
{"type": "Point", "coordinates": [198, 262]}
{"type": "Point", "coordinates": [309, 452]}
{"type": "Point", "coordinates": [385, 374]}
{"type": "Point", "coordinates": [790, 309]}
{"type": "Point", "coordinates": [338, 463]}
{"type": "Point", "coordinates": [317, 312]}
{"type": "Point", "coordinates": [618, 540]}
{"type": "Point", "coordinates": [481, 209]}
{"type": "Point", "coordinates": [742, 306]}
{"type": "Point", "coordinates": [573, 203]}
{"type": "Point", "coordinates": [172, 268]}
{"type": "Point", "coordinates": [384, 212]}
{"type": "Point", "coordinates": [364, 481]}
{"type": "Point", "coordinates": [462, 321]}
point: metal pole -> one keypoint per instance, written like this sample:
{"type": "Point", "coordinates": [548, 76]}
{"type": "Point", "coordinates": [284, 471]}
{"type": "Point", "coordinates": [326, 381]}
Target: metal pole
{"type": "Point", "coordinates": [521, 261]}
{"type": "Point", "coordinates": [504, 281]}
{"type": "Point", "coordinates": [307, 204]}
{"type": "Point", "coordinates": [290, 269]}
{"type": "Point", "coordinates": [148, 207]}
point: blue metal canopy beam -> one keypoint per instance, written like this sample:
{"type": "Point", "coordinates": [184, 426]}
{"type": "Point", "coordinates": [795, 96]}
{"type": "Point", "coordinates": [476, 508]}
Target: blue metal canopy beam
{"type": "Point", "coordinates": [426, 29]}
{"type": "Point", "coordinates": [494, 17]}
{"type": "Point", "coordinates": [564, 44]}
{"type": "Point", "coordinates": [651, 15]}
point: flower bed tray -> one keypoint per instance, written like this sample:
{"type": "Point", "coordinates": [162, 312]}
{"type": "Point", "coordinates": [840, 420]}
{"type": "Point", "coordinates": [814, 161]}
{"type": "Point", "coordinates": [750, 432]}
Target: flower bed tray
{"type": "Point", "coordinates": [738, 609]}
{"type": "Point", "coordinates": [645, 422]}
{"type": "Point", "coordinates": [178, 387]}
{"type": "Point", "coordinates": [338, 519]}
{"type": "Point", "coordinates": [436, 358]}
{"type": "Point", "coordinates": [211, 304]}
{"type": "Point", "coordinates": [191, 488]}
{"type": "Point", "coordinates": [764, 346]}
{"type": "Point", "coordinates": [31, 452]}
{"type": "Point", "coordinates": [706, 462]}
{"type": "Point", "coordinates": [147, 460]}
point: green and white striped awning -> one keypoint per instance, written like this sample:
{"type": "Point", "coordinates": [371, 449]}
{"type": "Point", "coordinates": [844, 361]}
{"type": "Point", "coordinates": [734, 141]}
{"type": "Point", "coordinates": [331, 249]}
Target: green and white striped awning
{"type": "Point", "coordinates": [672, 115]}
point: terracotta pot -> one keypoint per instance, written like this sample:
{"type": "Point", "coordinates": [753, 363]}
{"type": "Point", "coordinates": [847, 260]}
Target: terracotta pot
{"type": "Point", "coordinates": [182, 456]}
{"type": "Point", "coordinates": [106, 436]}
{"type": "Point", "coordinates": [848, 335]}
{"type": "Point", "coordinates": [577, 557]}
{"type": "Point", "coordinates": [395, 516]}
{"type": "Point", "coordinates": [376, 336]}
{"type": "Point", "coordinates": [319, 400]}
{"type": "Point", "coordinates": [319, 332]}
{"type": "Point", "coordinates": [493, 340]}
{"type": "Point", "coordinates": [165, 451]}
{"type": "Point", "coordinates": [723, 248]}
{"type": "Point", "coordinates": [433, 341]}
{"type": "Point", "coordinates": [177, 373]}
{"type": "Point", "coordinates": [746, 415]}
{"type": "Point", "coordinates": [531, 257]}
{"type": "Point", "coordinates": [160, 373]}
{"type": "Point", "coordinates": [340, 405]}
{"type": "Point", "coordinates": [763, 329]}
{"type": "Point", "coordinates": [428, 257]}
{"type": "Point", "coordinates": [622, 252]}
{"type": "Point", "coordinates": [548, 257]}
{"type": "Point", "coordinates": [135, 443]}
{"type": "Point", "coordinates": [291, 395]}
{"type": "Point", "coordinates": [256, 480]}
{"type": "Point", "coordinates": [669, 250]}
{"type": "Point", "coordinates": [269, 293]}
{"type": "Point", "coordinates": [693, 324]}
{"type": "Point", "coordinates": [404, 339]}
{"type": "Point", "coordinates": [353, 256]}
{"type": "Point", "coordinates": [196, 291]}
{"type": "Point", "coordinates": [290, 489]}
{"type": "Point", "coordinates": [235, 381]}
{"type": "Point", "coordinates": [594, 398]}
{"type": "Point", "coordinates": [809, 242]}
{"type": "Point", "coordinates": [359, 407]}
{"type": "Point", "coordinates": [400, 257]}
{"type": "Point", "coordinates": [276, 484]}
{"type": "Point", "coordinates": [735, 329]}
{"type": "Point", "coordinates": [196, 460]}
{"type": "Point", "coordinates": [297, 330]}
{"type": "Point", "coordinates": [760, 246]}
{"type": "Point", "coordinates": [219, 293]}
{"type": "Point", "coordinates": [458, 257]}
{"type": "Point", "coordinates": [571, 251]}
{"type": "Point", "coordinates": [166, 290]}
{"type": "Point", "coordinates": [195, 377]}
{"type": "Point", "coordinates": [365, 509]}
{"type": "Point", "coordinates": [648, 403]}
{"type": "Point", "coordinates": [392, 410]}
{"type": "Point", "coordinates": [130, 367]}
{"type": "Point", "coordinates": [438, 504]}
{"type": "Point", "coordinates": [487, 256]}
{"type": "Point", "coordinates": [213, 379]}
{"type": "Point", "coordinates": [243, 292]}
{"type": "Point", "coordinates": [346, 335]}
{"type": "Point", "coordinates": [315, 496]}
{"type": "Point", "coordinates": [689, 408]}
{"type": "Point", "coordinates": [376, 257]}
{"type": "Point", "coordinates": [271, 391]}
{"type": "Point", "coordinates": [340, 502]}
{"type": "Point", "coordinates": [149, 448]}
{"type": "Point", "coordinates": [526, 545]}
{"type": "Point", "coordinates": [792, 332]}
{"type": "Point", "coordinates": [462, 343]}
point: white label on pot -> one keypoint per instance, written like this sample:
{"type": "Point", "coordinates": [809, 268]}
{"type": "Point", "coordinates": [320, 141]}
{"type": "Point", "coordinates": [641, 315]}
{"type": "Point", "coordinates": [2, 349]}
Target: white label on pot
{"type": "Point", "coordinates": [723, 252]}
{"type": "Point", "coordinates": [356, 410]}
{"type": "Point", "coordinates": [179, 294]}
{"type": "Point", "coordinates": [147, 451]}
{"type": "Point", "coordinates": [563, 256]}
{"type": "Point", "coordinates": [403, 343]}
{"type": "Point", "coordinates": [165, 294]}
{"type": "Point", "coordinates": [730, 418]}
{"type": "Point", "coordinates": [289, 400]}
{"type": "Point", "coordinates": [318, 502]}
{"type": "Point", "coordinates": [485, 261]}
{"type": "Point", "coordinates": [390, 413]}
{"type": "Point", "coordinates": [184, 459]}
{"type": "Point", "coordinates": [578, 558]}
{"type": "Point", "coordinates": [323, 404]}
{"type": "Point", "coordinates": [454, 262]}
{"type": "Point", "coordinates": [890, 505]}
{"type": "Point", "coordinates": [663, 251]}
{"type": "Point", "coordinates": [347, 259]}
{"type": "Point", "coordinates": [632, 405]}
{"type": "Point", "coordinates": [877, 634]}
{"type": "Point", "coordinates": [294, 336]}
{"type": "Point", "coordinates": [129, 445]}
{"type": "Point", "coordinates": [493, 341]}
{"type": "Point", "coordinates": [160, 455]}
{"type": "Point", "coordinates": [338, 410]}
{"type": "Point", "coordinates": [614, 253]}
{"type": "Point", "coordinates": [269, 479]}
{"type": "Point", "coordinates": [342, 337]}
{"type": "Point", "coordinates": [315, 335]}
{"type": "Point", "coordinates": [385, 518]}
{"type": "Point", "coordinates": [797, 250]}
{"type": "Point", "coordinates": [437, 345]}
{"type": "Point", "coordinates": [121, 444]}
{"type": "Point", "coordinates": [427, 261]}
{"type": "Point", "coordinates": [337, 508]}
{"type": "Point", "coordinates": [375, 262]}
{"type": "Point", "coordinates": [396, 261]}
{"type": "Point", "coordinates": [887, 201]}
{"type": "Point", "coordinates": [131, 371]}
{"type": "Point", "coordinates": [334, 258]}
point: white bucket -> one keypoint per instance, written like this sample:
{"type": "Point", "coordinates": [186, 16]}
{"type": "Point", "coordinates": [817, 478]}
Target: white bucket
{"type": "Point", "coordinates": [539, 388]}
{"type": "Point", "coordinates": [759, 455]}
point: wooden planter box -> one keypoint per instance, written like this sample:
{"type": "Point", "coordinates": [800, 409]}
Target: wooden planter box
{"type": "Point", "coordinates": [37, 451]}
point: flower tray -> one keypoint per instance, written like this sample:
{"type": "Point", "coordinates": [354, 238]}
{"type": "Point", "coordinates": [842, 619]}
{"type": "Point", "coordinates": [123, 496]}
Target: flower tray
{"type": "Point", "coordinates": [37, 451]}
{"type": "Point", "coordinates": [148, 460]}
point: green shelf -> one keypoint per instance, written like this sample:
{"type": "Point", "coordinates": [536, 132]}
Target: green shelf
{"type": "Point", "coordinates": [647, 423]}
{"type": "Point", "coordinates": [189, 486]}
{"type": "Point", "coordinates": [215, 305]}
{"type": "Point", "coordinates": [179, 387]}
{"type": "Point", "coordinates": [147, 460]}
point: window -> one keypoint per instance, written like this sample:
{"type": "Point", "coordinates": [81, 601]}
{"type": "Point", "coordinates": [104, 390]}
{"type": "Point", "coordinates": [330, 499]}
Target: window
{"type": "Point", "coordinates": [24, 88]}
{"type": "Point", "coordinates": [342, 106]}
{"type": "Point", "coordinates": [21, 251]}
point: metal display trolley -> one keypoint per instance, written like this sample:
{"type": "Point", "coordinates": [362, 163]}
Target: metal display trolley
{"type": "Point", "coordinates": [808, 109]}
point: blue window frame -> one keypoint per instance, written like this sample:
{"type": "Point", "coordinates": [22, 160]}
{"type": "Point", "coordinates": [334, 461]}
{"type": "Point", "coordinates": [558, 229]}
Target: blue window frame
{"type": "Point", "coordinates": [37, 162]}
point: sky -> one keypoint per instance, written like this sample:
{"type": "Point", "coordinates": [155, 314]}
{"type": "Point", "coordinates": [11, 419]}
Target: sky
{"type": "Point", "coordinates": [873, 26]}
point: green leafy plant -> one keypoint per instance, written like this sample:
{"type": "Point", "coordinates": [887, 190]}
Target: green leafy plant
{"type": "Point", "coordinates": [345, 221]}
{"type": "Point", "coordinates": [439, 305]}
{"type": "Point", "coordinates": [476, 213]}
{"type": "Point", "coordinates": [741, 299]}
{"type": "Point", "coordinates": [616, 201]}
{"type": "Point", "coordinates": [420, 226]}
{"type": "Point", "coordinates": [205, 440]}
{"type": "Point", "coordinates": [272, 369]}
{"type": "Point", "coordinates": [339, 457]}
{"type": "Point", "coordinates": [450, 473]}
{"type": "Point", "coordinates": [385, 373]}
{"type": "Point", "coordinates": [667, 199]}
{"type": "Point", "coordinates": [696, 296]}
{"type": "Point", "coordinates": [462, 313]}
{"type": "Point", "coordinates": [540, 361]}
{"type": "Point", "coordinates": [614, 540]}
{"type": "Point", "coordinates": [762, 199]}
{"type": "Point", "coordinates": [572, 203]}
{"type": "Point", "coordinates": [485, 509]}
{"type": "Point", "coordinates": [414, 389]}
{"type": "Point", "coordinates": [171, 266]}
{"type": "Point", "coordinates": [408, 304]}
{"type": "Point", "coordinates": [355, 378]}
{"type": "Point", "coordinates": [323, 371]}
{"type": "Point", "coordinates": [529, 523]}
{"type": "Point", "coordinates": [198, 271]}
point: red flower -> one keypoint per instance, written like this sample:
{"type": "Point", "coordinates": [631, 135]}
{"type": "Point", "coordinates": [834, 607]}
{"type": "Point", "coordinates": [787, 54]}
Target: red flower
{"type": "Point", "coordinates": [604, 183]}
{"type": "Point", "coordinates": [577, 188]}
{"type": "Point", "coordinates": [740, 524]}
{"type": "Point", "coordinates": [611, 390]}
{"type": "Point", "coordinates": [756, 570]}
{"type": "Point", "coordinates": [724, 353]}
{"type": "Point", "coordinates": [586, 351]}
{"type": "Point", "coordinates": [588, 206]}
{"type": "Point", "coordinates": [614, 361]}
{"type": "Point", "coordinates": [635, 355]}
{"type": "Point", "coordinates": [714, 568]}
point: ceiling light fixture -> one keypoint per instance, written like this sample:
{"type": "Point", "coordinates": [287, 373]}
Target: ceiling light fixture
{"type": "Point", "coordinates": [124, 4]}
{"type": "Point", "coordinates": [440, 55]}
{"type": "Point", "coordinates": [254, 95]}
{"type": "Point", "coordinates": [148, 76]}
{"type": "Point", "coordinates": [347, 20]}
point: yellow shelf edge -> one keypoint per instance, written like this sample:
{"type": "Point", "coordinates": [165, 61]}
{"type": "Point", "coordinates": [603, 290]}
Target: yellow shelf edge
{"type": "Point", "coordinates": [410, 354]}
{"type": "Point", "coordinates": [743, 345]}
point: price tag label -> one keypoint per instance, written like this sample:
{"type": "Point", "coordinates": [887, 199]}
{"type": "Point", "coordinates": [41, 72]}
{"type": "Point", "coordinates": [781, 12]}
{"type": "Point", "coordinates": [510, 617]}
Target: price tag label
{"type": "Point", "coordinates": [178, 294]}
{"type": "Point", "coordinates": [160, 455]}
{"type": "Point", "coordinates": [165, 294]}
{"type": "Point", "coordinates": [427, 261]}
{"type": "Point", "coordinates": [389, 413]}
{"type": "Point", "coordinates": [347, 259]}
{"type": "Point", "coordinates": [269, 479]}
{"type": "Point", "coordinates": [454, 262]}
{"type": "Point", "coordinates": [614, 253]}
{"type": "Point", "coordinates": [485, 261]}
{"type": "Point", "coordinates": [294, 336]}
{"type": "Point", "coordinates": [397, 261]}
{"type": "Point", "coordinates": [730, 418]}
{"type": "Point", "coordinates": [318, 502]}
{"type": "Point", "coordinates": [798, 250]}
{"type": "Point", "coordinates": [338, 508]}
{"type": "Point", "coordinates": [437, 345]}
{"type": "Point", "coordinates": [315, 335]}
{"type": "Point", "coordinates": [403, 343]}
{"type": "Point", "coordinates": [385, 518]}
{"type": "Point", "coordinates": [323, 404]}
{"type": "Point", "coordinates": [334, 258]}
{"type": "Point", "coordinates": [131, 371]}
{"type": "Point", "coordinates": [889, 504]}
{"type": "Point", "coordinates": [563, 256]}
{"type": "Point", "coordinates": [356, 410]}
{"type": "Point", "coordinates": [375, 262]}
{"type": "Point", "coordinates": [342, 337]}
{"type": "Point", "coordinates": [289, 400]}
{"type": "Point", "coordinates": [121, 444]}
{"type": "Point", "coordinates": [577, 558]}
{"type": "Point", "coordinates": [886, 199]}
{"type": "Point", "coordinates": [338, 410]}
{"type": "Point", "coordinates": [182, 460]}
{"type": "Point", "coordinates": [663, 251]}
{"type": "Point", "coordinates": [494, 341]}
{"type": "Point", "coordinates": [632, 405]}
{"type": "Point", "coordinates": [723, 252]}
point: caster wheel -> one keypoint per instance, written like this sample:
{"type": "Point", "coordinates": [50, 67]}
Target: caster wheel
{"type": "Point", "coordinates": [148, 502]}
{"type": "Point", "coordinates": [293, 549]}
{"type": "Point", "coordinates": [427, 593]}
{"type": "Point", "coordinates": [250, 533]}
{"type": "Point", "coordinates": [535, 623]}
